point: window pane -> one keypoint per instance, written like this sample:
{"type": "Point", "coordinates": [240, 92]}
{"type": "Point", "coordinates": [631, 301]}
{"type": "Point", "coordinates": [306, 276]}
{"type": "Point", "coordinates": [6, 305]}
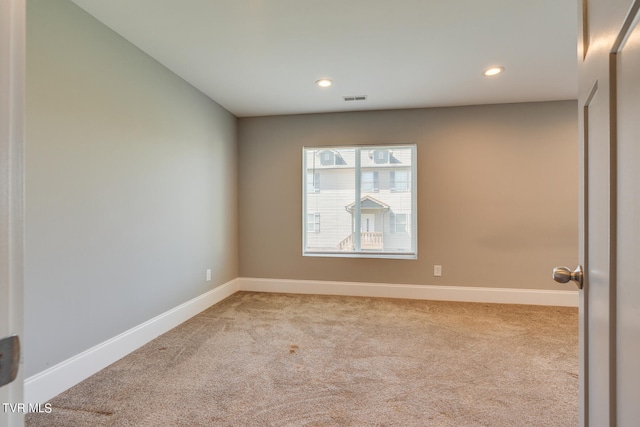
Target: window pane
{"type": "Point", "coordinates": [338, 178]}
{"type": "Point", "coordinates": [401, 180]}
{"type": "Point", "coordinates": [313, 223]}
{"type": "Point", "coordinates": [400, 223]}
{"type": "Point", "coordinates": [369, 182]}
{"type": "Point", "coordinates": [366, 203]}
{"type": "Point", "coordinates": [313, 182]}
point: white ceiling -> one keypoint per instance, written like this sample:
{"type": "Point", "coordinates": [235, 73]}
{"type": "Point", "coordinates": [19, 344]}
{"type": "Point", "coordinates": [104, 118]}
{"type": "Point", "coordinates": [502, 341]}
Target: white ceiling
{"type": "Point", "coordinates": [262, 57]}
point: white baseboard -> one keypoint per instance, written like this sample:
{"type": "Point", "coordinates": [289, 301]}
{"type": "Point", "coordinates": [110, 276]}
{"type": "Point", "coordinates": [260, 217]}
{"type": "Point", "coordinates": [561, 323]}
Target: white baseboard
{"type": "Point", "coordinates": [426, 292]}
{"type": "Point", "coordinates": [45, 385]}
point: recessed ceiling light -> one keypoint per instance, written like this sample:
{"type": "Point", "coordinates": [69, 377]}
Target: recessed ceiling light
{"type": "Point", "coordinates": [324, 82]}
{"type": "Point", "coordinates": [493, 71]}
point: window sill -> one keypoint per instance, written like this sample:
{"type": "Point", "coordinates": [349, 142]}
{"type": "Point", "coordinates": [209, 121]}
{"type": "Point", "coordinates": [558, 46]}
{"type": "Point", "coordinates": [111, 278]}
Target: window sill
{"type": "Point", "coordinates": [381, 255]}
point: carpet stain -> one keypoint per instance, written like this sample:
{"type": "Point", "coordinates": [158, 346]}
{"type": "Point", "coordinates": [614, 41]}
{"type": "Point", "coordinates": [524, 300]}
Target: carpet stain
{"type": "Point", "coordinates": [293, 348]}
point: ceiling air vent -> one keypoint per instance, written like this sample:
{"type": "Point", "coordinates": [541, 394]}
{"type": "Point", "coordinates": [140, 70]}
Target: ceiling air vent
{"type": "Point", "coordinates": [355, 98]}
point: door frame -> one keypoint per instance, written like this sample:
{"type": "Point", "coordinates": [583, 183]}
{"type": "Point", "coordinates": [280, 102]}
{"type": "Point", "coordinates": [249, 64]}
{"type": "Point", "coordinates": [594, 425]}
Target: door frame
{"type": "Point", "coordinates": [12, 86]}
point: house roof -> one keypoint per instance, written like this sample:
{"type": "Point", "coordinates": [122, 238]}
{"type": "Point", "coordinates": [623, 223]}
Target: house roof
{"type": "Point", "coordinates": [368, 202]}
{"type": "Point", "coordinates": [399, 156]}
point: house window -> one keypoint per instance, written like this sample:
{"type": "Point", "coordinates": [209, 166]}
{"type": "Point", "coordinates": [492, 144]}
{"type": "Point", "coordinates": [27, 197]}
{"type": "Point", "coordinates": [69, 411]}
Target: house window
{"type": "Point", "coordinates": [313, 223]}
{"type": "Point", "coordinates": [400, 180]}
{"type": "Point", "coordinates": [381, 157]}
{"type": "Point", "coordinates": [367, 203]}
{"type": "Point", "coordinates": [327, 158]}
{"type": "Point", "coordinates": [399, 222]}
{"type": "Point", "coordinates": [370, 182]}
{"type": "Point", "coordinates": [313, 182]}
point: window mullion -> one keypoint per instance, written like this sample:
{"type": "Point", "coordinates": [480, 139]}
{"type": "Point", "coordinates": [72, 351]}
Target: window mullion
{"type": "Point", "coordinates": [356, 207]}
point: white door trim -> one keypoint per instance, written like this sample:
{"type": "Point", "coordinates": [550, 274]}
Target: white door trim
{"type": "Point", "coordinates": [12, 87]}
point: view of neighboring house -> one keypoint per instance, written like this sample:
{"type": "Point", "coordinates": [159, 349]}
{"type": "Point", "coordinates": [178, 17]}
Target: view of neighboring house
{"type": "Point", "coordinates": [381, 207]}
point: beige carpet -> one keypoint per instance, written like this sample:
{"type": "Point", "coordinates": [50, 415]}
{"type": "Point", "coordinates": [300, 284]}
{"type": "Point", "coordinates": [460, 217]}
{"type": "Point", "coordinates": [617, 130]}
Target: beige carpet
{"type": "Point", "coordinates": [260, 359]}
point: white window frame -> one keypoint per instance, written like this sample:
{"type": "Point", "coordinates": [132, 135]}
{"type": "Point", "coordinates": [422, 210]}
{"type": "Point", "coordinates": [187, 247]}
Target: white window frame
{"type": "Point", "coordinates": [412, 226]}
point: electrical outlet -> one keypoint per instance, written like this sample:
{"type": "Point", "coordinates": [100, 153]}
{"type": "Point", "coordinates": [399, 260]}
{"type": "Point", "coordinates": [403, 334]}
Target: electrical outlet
{"type": "Point", "coordinates": [208, 274]}
{"type": "Point", "coordinates": [437, 270]}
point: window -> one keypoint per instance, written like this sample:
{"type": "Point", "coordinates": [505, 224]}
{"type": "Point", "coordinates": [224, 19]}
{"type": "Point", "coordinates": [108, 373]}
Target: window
{"type": "Point", "coordinates": [399, 180]}
{"type": "Point", "coordinates": [370, 182]}
{"type": "Point", "coordinates": [313, 182]}
{"type": "Point", "coordinates": [381, 156]}
{"type": "Point", "coordinates": [327, 157]}
{"type": "Point", "coordinates": [313, 223]}
{"type": "Point", "coordinates": [367, 203]}
{"type": "Point", "coordinates": [399, 223]}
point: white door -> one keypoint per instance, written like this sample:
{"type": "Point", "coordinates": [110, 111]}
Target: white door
{"type": "Point", "coordinates": [609, 112]}
{"type": "Point", "coordinates": [367, 223]}
{"type": "Point", "coordinates": [12, 24]}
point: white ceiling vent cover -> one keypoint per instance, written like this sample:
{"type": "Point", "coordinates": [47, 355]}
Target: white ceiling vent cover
{"type": "Point", "coordinates": [355, 98]}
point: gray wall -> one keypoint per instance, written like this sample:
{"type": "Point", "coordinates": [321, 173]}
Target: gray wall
{"type": "Point", "coordinates": [130, 186]}
{"type": "Point", "coordinates": [497, 194]}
